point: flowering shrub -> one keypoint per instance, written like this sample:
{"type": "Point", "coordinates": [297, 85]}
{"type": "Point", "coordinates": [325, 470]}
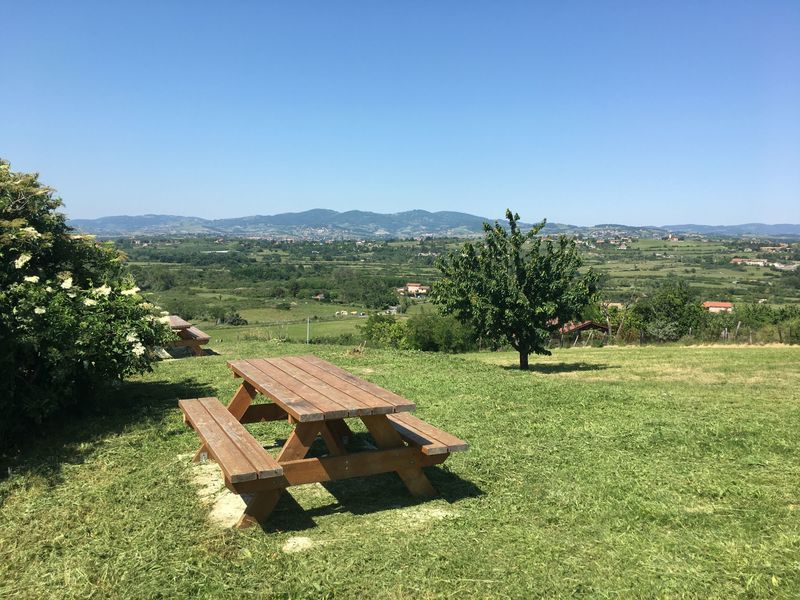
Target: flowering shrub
{"type": "Point", "coordinates": [70, 318]}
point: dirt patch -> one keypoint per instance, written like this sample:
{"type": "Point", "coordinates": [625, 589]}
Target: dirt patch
{"type": "Point", "coordinates": [417, 517]}
{"type": "Point", "coordinates": [298, 544]}
{"type": "Point", "coordinates": [207, 477]}
{"type": "Point", "coordinates": [227, 509]}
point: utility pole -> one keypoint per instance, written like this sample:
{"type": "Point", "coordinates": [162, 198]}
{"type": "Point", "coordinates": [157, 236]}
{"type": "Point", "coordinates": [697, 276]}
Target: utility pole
{"type": "Point", "coordinates": [308, 330]}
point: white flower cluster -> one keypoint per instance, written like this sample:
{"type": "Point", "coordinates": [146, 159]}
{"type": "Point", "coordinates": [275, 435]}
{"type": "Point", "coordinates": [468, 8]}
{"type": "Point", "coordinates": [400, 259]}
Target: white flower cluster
{"type": "Point", "coordinates": [22, 260]}
{"type": "Point", "coordinates": [31, 232]}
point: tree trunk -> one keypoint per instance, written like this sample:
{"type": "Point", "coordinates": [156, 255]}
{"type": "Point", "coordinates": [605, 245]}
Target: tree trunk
{"type": "Point", "coordinates": [523, 360]}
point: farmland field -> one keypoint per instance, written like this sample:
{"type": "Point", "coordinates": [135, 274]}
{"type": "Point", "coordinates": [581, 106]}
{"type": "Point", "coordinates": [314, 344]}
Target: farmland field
{"type": "Point", "coordinates": [611, 472]}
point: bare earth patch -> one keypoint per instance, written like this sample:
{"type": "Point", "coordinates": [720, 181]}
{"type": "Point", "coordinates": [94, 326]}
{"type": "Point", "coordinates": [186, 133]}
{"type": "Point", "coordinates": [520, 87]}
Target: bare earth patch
{"type": "Point", "coordinates": [226, 507]}
{"type": "Point", "coordinates": [298, 544]}
{"type": "Point", "coordinates": [415, 517]}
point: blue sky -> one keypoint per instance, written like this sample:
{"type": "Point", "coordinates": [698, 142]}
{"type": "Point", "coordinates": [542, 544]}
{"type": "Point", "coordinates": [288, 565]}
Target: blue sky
{"type": "Point", "coordinates": [580, 112]}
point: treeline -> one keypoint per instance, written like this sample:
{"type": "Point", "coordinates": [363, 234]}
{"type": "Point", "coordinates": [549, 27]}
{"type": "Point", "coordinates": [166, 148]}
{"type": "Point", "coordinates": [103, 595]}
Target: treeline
{"type": "Point", "coordinates": [672, 311]}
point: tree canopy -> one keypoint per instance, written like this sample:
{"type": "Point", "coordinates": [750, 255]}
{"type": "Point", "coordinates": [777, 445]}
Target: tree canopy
{"type": "Point", "coordinates": [515, 287]}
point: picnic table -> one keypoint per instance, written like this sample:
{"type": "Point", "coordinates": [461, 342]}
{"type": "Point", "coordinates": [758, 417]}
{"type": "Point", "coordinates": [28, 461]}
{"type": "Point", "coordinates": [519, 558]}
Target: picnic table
{"type": "Point", "coordinates": [188, 335]}
{"type": "Point", "coordinates": [316, 398]}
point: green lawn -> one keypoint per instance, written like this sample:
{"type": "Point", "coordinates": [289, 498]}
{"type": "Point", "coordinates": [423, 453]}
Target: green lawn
{"type": "Point", "coordinates": [609, 472]}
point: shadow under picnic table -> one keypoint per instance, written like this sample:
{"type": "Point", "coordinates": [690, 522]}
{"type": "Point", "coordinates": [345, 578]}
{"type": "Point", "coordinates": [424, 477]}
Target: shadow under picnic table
{"type": "Point", "coordinates": [368, 495]}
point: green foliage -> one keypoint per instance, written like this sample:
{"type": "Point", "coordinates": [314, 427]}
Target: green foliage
{"type": "Point", "coordinates": [70, 319]}
{"type": "Point", "coordinates": [670, 310]}
{"type": "Point", "coordinates": [431, 331]}
{"type": "Point", "coordinates": [384, 330]}
{"type": "Point", "coordinates": [515, 287]}
{"type": "Point", "coordinates": [371, 291]}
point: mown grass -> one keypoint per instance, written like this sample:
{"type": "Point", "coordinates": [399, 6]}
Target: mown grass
{"type": "Point", "coordinates": [612, 472]}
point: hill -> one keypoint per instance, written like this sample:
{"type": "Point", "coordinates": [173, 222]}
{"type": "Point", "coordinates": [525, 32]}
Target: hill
{"type": "Point", "coordinates": [323, 224]}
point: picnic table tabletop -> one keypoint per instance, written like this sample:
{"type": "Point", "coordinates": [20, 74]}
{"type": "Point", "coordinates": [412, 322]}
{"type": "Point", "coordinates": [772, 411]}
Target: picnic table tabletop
{"type": "Point", "coordinates": [311, 389]}
{"type": "Point", "coordinates": [175, 322]}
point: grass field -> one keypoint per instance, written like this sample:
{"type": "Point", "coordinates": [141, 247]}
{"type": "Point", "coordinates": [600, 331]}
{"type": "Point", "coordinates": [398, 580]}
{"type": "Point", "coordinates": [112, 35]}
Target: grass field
{"type": "Point", "coordinates": [609, 472]}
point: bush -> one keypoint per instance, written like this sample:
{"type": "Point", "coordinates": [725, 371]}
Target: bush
{"type": "Point", "coordinates": [70, 318]}
{"type": "Point", "coordinates": [434, 332]}
{"type": "Point", "coordinates": [384, 330]}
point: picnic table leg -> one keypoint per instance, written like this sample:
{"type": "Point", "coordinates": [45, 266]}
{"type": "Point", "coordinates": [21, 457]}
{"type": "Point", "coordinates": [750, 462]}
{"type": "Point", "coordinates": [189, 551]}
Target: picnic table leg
{"type": "Point", "coordinates": [238, 404]}
{"type": "Point", "coordinates": [332, 441]}
{"type": "Point", "coordinates": [296, 447]}
{"type": "Point", "coordinates": [340, 429]}
{"type": "Point", "coordinates": [299, 441]}
{"type": "Point", "coordinates": [385, 437]}
{"type": "Point", "coordinates": [259, 508]}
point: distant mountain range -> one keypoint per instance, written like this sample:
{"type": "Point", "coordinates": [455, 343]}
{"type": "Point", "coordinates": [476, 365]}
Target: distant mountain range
{"type": "Point", "coordinates": [319, 224]}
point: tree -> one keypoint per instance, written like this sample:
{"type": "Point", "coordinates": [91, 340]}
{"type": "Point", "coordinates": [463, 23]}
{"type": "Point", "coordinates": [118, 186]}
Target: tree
{"type": "Point", "coordinates": [670, 310]}
{"type": "Point", "coordinates": [71, 319]}
{"type": "Point", "coordinates": [514, 287]}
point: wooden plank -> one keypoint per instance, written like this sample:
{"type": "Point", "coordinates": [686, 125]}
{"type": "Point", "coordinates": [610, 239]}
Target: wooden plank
{"type": "Point", "coordinates": [353, 406]}
{"type": "Point", "coordinates": [256, 413]}
{"type": "Point", "coordinates": [238, 404]}
{"type": "Point", "coordinates": [377, 405]}
{"type": "Point", "coordinates": [436, 437]}
{"type": "Point", "coordinates": [397, 402]}
{"type": "Point", "coordinates": [195, 334]}
{"type": "Point", "coordinates": [175, 322]}
{"type": "Point", "coordinates": [334, 468]}
{"type": "Point", "coordinates": [415, 438]}
{"type": "Point", "coordinates": [264, 465]}
{"type": "Point", "coordinates": [231, 460]}
{"type": "Point", "coordinates": [328, 408]}
{"type": "Point", "coordinates": [293, 404]}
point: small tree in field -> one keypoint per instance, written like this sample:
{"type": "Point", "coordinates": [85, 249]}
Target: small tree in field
{"type": "Point", "coordinates": [515, 287]}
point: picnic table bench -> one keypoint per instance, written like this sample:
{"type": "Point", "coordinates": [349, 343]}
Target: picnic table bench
{"type": "Point", "coordinates": [188, 335]}
{"type": "Point", "coordinates": [315, 397]}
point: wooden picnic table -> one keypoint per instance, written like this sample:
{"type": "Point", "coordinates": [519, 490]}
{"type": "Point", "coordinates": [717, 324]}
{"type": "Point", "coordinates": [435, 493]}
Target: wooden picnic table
{"type": "Point", "coordinates": [315, 397]}
{"type": "Point", "coordinates": [189, 336]}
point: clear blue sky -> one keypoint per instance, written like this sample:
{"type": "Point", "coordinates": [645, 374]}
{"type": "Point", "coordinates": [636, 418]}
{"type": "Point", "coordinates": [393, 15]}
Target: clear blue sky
{"type": "Point", "coordinates": [581, 112]}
